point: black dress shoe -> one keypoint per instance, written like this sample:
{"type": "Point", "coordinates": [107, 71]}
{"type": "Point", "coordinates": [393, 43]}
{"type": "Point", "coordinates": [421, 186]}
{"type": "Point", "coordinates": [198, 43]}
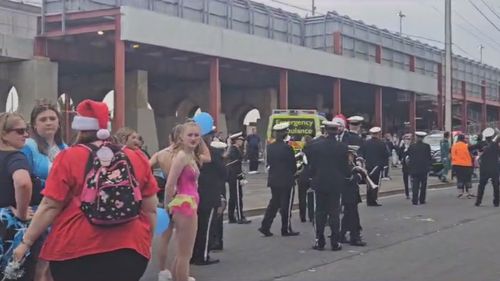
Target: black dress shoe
{"type": "Point", "coordinates": [477, 204]}
{"type": "Point", "coordinates": [289, 233]}
{"type": "Point", "coordinates": [232, 220]}
{"type": "Point", "coordinates": [302, 219]}
{"type": "Point", "coordinates": [357, 242]}
{"type": "Point", "coordinates": [374, 204]}
{"type": "Point", "coordinates": [265, 232]}
{"type": "Point", "coordinates": [244, 221]}
{"type": "Point", "coordinates": [336, 246]}
{"type": "Point", "coordinates": [207, 262]}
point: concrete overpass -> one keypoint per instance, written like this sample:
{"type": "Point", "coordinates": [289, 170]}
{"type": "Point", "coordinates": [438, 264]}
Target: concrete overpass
{"type": "Point", "coordinates": [230, 56]}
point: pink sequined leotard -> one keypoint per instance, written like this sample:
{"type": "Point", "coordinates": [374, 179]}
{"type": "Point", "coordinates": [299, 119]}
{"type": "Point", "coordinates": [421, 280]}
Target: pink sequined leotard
{"type": "Point", "coordinates": [186, 200]}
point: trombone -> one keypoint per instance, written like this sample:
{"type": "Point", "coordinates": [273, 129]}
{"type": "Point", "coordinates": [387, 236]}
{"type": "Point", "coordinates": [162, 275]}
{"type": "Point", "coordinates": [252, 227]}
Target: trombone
{"type": "Point", "coordinates": [359, 166]}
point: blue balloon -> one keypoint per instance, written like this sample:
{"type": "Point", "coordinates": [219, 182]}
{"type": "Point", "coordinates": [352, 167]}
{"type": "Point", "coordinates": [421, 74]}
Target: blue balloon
{"type": "Point", "coordinates": [162, 221]}
{"type": "Point", "coordinates": [205, 121]}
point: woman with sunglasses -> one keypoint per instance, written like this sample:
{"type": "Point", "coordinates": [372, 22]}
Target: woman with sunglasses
{"type": "Point", "coordinates": [15, 197]}
{"type": "Point", "coordinates": [41, 149]}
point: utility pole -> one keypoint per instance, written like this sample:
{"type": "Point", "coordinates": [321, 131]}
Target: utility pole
{"type": "Point", "coordinates": [448, 44]}
{"type": "Point", "coordinates": [401, 16]}
{"type": "Point", "coordinates": [481, 47]}
{"type": "Point", "coordinates": [313, 8]}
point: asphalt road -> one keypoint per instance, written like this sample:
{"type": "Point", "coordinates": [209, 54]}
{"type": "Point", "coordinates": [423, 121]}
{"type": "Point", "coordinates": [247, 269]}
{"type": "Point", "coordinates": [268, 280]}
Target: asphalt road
{"type": "Point", "coordinates": [448, 239]}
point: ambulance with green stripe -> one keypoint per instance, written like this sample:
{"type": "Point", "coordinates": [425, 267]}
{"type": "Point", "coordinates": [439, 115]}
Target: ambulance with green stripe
{"type": "Point", "coordinates": [302, 122]}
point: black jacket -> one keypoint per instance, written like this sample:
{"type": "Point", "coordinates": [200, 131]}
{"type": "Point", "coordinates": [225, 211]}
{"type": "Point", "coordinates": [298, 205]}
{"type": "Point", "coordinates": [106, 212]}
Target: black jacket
{"type": "Point", "coordinates": [420, 158]}
{"type": "Point", "coordinates": [282, 165]}
{"type": "Point", "coordinates": [353, 138]}
{"type": "Point", "coordinates": [489, 158]}
{"type": "Point", "coordinates": [375, 153]}
{"type": "Point", "coordinates": [234, 161]}
{"type": "Point", "coordinates": [402, 154]}
{"type": "Point", "coordinates": [211, 181]}
{"type": "Point", "coordinates": [329, 165]}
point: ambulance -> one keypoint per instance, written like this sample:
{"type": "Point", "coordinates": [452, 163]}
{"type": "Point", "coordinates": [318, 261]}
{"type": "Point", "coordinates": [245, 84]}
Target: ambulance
{"type": "Point", "coordinates": [303, 122]}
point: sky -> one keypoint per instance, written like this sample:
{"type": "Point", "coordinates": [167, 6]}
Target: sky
{"type": "Point", "coordinates": [423, 18]}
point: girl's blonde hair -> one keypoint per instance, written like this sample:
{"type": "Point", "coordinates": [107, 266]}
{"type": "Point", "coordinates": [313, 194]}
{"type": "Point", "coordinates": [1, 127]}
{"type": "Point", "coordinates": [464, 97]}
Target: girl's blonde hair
{"type": "Point", "coordinates": [123, 134]}
{"type": "Point", "coordinates": [178, 141]}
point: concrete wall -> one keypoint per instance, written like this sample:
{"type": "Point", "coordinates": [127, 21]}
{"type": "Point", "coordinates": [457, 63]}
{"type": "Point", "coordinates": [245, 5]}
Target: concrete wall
{"type": "Point", "coordinates": [34, 79]}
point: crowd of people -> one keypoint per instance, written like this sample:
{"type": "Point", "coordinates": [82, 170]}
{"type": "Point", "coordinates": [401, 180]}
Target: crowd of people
{"type": "Point", "coordinates": [87, 211]}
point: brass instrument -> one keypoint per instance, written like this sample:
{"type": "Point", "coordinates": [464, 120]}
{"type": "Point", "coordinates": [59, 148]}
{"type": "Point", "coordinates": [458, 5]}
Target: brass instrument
{"type": "Point", "coordinates": [301, 161]}
{"type": "Point", "coordinates": [359, 166]}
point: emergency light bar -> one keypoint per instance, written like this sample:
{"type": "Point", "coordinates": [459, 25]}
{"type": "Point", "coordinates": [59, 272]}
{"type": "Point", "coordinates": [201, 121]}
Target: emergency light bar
{"type": "Point", "coordinates": [295, 111]}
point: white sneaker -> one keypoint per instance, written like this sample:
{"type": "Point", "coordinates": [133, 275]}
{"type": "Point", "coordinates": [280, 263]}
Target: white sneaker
{"type": "Point", "coordinates": [165, 275]}
{"type": "Point", "coordinates": [191, 278]}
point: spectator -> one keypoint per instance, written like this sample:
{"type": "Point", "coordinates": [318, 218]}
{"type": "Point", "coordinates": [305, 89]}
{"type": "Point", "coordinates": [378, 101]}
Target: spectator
{"type": "Point", "coordinates": [77, 249]}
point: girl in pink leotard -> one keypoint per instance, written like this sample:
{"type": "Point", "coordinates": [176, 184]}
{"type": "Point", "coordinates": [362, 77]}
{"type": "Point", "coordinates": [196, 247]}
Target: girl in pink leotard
{"type": "Point", "coordinates": [189, 151]}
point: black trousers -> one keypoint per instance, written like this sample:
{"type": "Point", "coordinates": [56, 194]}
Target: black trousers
{"type": "Point", "coordinates": [123, 265]}
{"type": "Point", "coordinates": [350, 221]}
{"type": "Point", "coordinates": [406, 182]}
{"type": "Point", "coordinates": [253, 158]}
{"type": "Point", "coordinates": [217, 235]}
{"type": "Point", "coordinates": [327, 210]}
{"type": "Point", "coordinates": [235, 198]}
{"type": "Point", "coordinates": [483, 180]}
{"type": "Point", "coordinates": [306, 200]}
{"type": "Point", "coordinates": [372, 194]}
{"type": "Point", "coordinates": [419, 188]}
{"type": "Point", "coordinates": [464, 177]}
{"type": "Point", "coordinates": [201, 248]}
{"type": "Point", "coordinates": [281, 199]}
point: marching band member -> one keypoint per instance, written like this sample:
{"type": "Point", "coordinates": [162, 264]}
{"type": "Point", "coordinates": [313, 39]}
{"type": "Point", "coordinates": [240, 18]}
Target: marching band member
{"type": "Point", "coordinates": [329, 169]}
{"type": "Point", "coordinates": [355, 130]}
{"type": "Point", "coordinates": [281, 179]}
{"type": "Point", "coordinates": [488, 168]}
{"type": "Point", "coordinates": [404, 158]}
{"type": "Point", "coordinates": [350, 200]}
{"type": "Point", "coordinates": [306, 195]}
{"type": "Point", "coordinates": [420, 162]}
{"type": "Point", "coordinates": [376, 155]}
{"type": "Point", "coordinates": [234, 156]}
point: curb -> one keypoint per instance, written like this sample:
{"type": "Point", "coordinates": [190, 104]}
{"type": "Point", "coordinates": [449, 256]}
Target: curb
{"type": "Point", "coordinates": [261, 211]}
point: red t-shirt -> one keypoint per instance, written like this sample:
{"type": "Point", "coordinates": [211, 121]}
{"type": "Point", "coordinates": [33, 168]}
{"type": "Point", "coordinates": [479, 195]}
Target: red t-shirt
{"type": "Point", "coordinates": [72, 235]}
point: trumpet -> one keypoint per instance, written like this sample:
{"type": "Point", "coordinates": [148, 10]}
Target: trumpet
{"type": "Point", "coordinates": [358, 166]}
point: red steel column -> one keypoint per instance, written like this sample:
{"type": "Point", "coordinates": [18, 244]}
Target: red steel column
{"type": "Point", "coordinates": [214, 99]}
{"type": "Point", "coordinates": [378, 54]}
{"type": "Point", "coordinates": [40, 47]}
{"type": "Point", "coordinates": [484, 108]}
{"type": "Point", "coordinates": [337, 96]}
{"type": "Point", "coordinates": [413, 112]}
{"type": "Point", "coordinates": [337, 43]}
{"type": "Point", "coordinates": [465, 112]}
{"type": "Point", "coordinates": [283, 90]}
{"type": "Point", "coordinates": [440, 97]}
{"type": "Point", "coordinates": [412, 63]}
{"type": "Point", "coordinates": [119, 116]}
{"type": "Point", "coordinates": [378, 107]}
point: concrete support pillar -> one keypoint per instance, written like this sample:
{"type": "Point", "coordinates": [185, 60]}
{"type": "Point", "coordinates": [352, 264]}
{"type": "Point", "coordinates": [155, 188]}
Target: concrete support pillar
{"type": "Point", "coordinates": [214, 100]}
{"type": "Point", "coordinates": [283, 89]}
{"type": "Point", "coordinates": [465, 112]}
{"type": "Point", "coordinates": [34, 80]}
{"type": "Point", "coordinates": [378, 107]}
{"type": "Point", "coordinates": [412, 111]}
{"type": "Point", "coordinates": [337, 96]}
{"type": "Point", "coordinates": [119, 116]}
{"type": "Point", "coordinates": [139, 116]}
{"type": "Point", "coordinates": [337, 43]}
{"type": "Point", "coordinates": [440, 109]}
{"type": "Point", "coordinates": [484, 108]}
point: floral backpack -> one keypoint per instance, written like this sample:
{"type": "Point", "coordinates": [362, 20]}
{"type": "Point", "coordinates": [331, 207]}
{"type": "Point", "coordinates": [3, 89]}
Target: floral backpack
{"type": "Point", "coordinates": [111, 193]}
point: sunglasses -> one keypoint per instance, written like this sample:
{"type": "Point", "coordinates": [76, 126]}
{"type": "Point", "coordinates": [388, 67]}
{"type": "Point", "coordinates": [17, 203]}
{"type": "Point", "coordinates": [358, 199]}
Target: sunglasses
{"type": "Point", "coordinates": [19, 131]}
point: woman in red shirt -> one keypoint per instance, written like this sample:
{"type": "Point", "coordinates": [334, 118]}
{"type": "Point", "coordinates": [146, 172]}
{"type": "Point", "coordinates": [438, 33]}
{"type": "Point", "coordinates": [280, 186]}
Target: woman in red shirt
{"type": "Point", "coordinates": [77, 249]}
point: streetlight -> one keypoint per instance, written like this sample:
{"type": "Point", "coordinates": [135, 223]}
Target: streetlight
{"type": "Point", "coordinates": [401, 16]}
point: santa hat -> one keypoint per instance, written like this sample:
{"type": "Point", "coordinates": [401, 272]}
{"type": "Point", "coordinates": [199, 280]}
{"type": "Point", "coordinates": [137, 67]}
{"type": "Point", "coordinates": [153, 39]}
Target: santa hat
{"type": "Point", "coordinates": [92, 116]}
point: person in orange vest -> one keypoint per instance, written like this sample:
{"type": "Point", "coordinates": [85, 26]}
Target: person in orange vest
{"type": "Point", "coordinates": [461, 161]}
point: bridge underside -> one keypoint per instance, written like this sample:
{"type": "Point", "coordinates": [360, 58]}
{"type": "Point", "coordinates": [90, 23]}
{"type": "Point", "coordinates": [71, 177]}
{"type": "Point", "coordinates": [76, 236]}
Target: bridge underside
{"type": "Point", "coordinates": [156, 87]}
